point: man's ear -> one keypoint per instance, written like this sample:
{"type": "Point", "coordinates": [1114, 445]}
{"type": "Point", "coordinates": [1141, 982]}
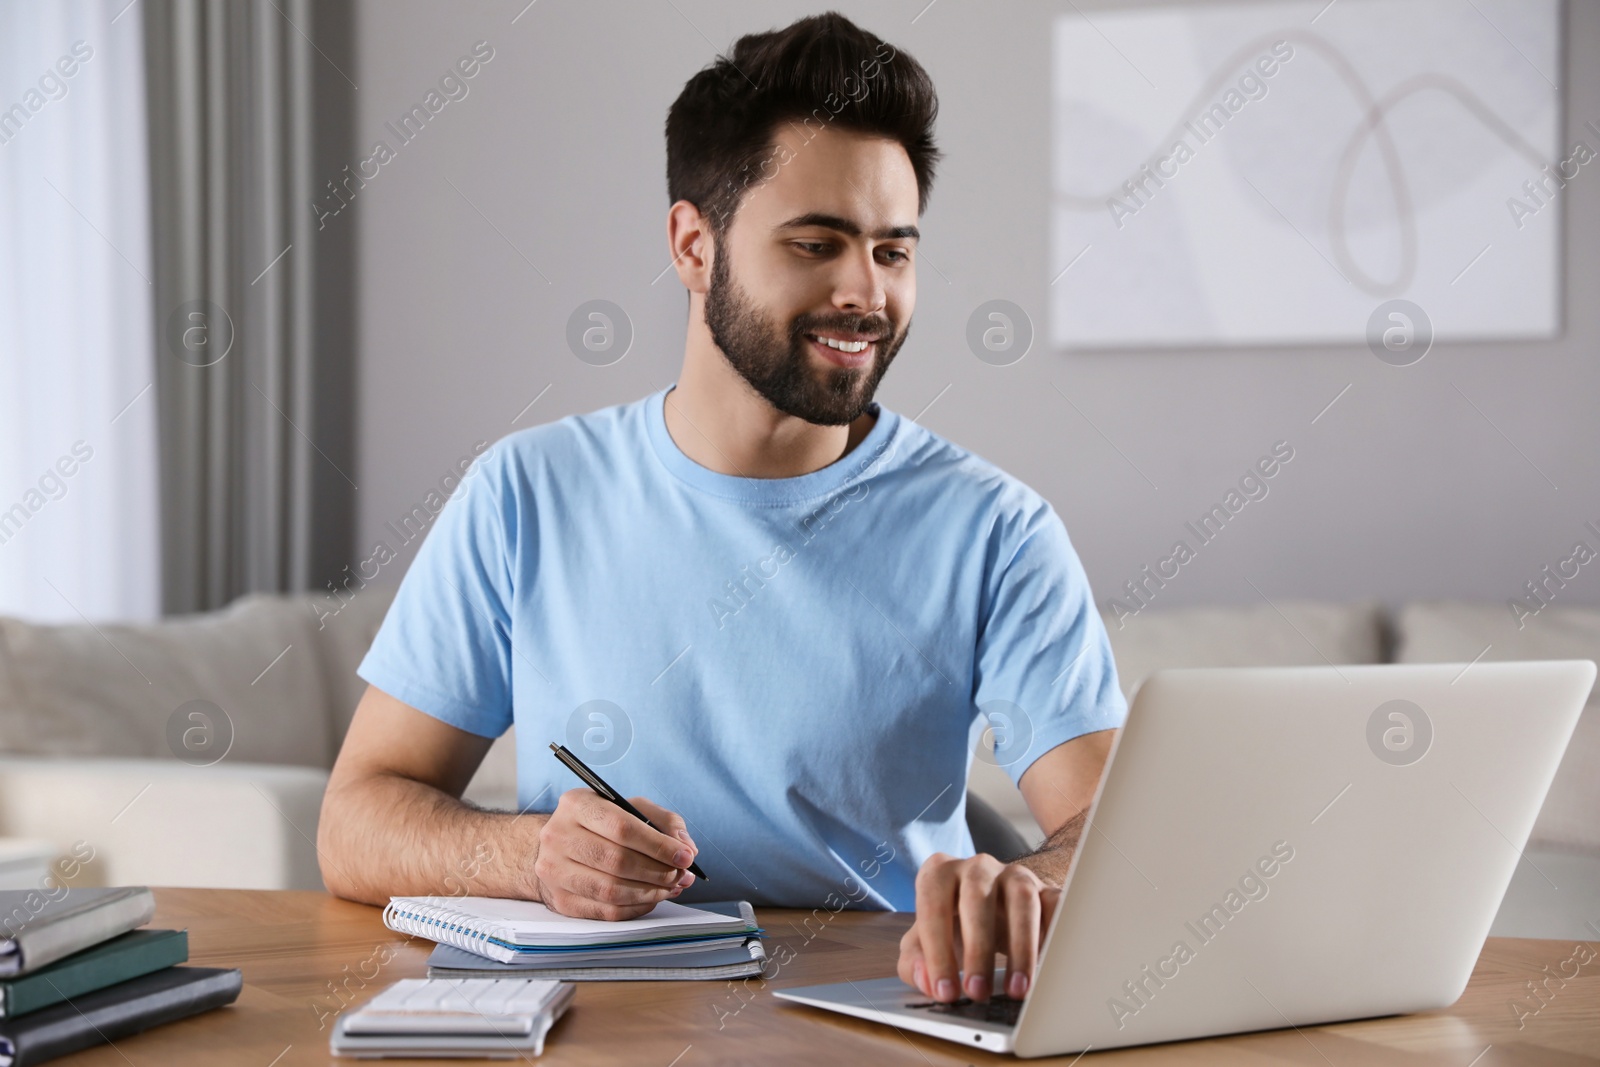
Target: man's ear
{"type": "Point", "coordinates": [690, 245]}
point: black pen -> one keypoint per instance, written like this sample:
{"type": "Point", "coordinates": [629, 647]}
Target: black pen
{"type": "Point", "coordinates": [595, 782]}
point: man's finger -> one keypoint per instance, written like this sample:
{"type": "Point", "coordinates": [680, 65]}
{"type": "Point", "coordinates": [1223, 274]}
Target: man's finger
{"type": "Point", "coordinates": [1022, 913]}
{"type": "Point", "coordinates": [977, 914]}
{"type": "Point", "coordinates": [668, 822]}
{"type": "Point", "coordinates": [910, 968]}
{"type": "Point", "coordinates": [611, 822]}
{"type": "Point", "coordinates": [618, 861]}
{"type": "Point", "coordinates": [936, 899]}
{"type": "Point", "coordinates": [1049, 900]}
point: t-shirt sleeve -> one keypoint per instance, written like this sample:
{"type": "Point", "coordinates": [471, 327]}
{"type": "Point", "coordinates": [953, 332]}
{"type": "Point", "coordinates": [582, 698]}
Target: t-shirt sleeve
{"type": "Point", "coordinates": [445, 644]}
{"type": "Point", "coordinates": [1045, 672]}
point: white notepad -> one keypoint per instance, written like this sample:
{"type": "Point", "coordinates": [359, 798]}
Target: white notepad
{"type": "Point", "coordinates": [506, 930]}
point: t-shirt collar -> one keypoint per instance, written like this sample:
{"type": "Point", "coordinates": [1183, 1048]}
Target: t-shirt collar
{"type": "Point", "coordinates": [866, 458]}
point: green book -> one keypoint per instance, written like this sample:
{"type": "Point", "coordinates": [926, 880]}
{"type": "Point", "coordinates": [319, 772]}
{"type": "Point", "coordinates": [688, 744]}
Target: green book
{"type": "Point", "coordinates": [117, 960]}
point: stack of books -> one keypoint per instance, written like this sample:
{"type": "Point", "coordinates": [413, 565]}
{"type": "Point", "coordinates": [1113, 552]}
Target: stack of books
{"type": "Point", "coordinates": [486, 937]}
{"type": "Point", "coordinates": [75, 971]}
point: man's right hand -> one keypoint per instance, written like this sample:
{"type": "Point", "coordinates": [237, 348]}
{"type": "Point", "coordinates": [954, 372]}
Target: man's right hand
{"type": "Point", "coordinates": [596, 861]}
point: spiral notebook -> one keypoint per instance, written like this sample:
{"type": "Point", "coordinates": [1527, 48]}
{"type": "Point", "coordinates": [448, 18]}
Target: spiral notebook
{"type": "Point", "coordinates": [507, 930]}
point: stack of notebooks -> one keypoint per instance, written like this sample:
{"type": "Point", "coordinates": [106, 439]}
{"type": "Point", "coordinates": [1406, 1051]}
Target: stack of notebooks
{"type": "Point", "coordinates": [486, 937]}
{"type": "Point", "coordinates": [75, 972]}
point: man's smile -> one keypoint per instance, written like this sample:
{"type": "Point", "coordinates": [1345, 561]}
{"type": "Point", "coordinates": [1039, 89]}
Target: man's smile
{"type": "Point", "coordinates": [846, 350]}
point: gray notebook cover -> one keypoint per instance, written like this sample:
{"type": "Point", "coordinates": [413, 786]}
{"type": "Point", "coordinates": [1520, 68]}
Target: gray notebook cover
{"type": "Point", "coordinates": [740, 960]}
{"type": "Point", "coordinates": [36, 930]}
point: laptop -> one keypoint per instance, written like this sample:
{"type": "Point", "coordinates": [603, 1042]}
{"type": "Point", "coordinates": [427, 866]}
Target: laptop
{"type": "Point", "coordinates": [1278, 846]}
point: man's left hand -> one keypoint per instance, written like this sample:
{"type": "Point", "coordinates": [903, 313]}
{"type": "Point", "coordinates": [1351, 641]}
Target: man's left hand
{"type": "Point", "coordinates": [967, 910]}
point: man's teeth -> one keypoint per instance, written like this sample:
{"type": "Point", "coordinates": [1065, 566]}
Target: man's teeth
{"type": "Point", "coordinates": [843, 346]}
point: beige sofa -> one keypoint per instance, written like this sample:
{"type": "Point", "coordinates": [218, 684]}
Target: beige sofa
{"type": "Point", "coordinates": [194, 751]}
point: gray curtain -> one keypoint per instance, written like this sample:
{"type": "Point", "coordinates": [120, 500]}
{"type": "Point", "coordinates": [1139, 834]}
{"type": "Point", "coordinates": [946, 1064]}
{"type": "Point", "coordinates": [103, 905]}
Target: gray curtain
{"type": "Point", "coordinates": [250, 108]}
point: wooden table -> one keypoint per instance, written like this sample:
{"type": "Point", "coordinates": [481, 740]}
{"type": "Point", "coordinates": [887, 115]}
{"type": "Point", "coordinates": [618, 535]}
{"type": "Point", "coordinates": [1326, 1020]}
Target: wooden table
{"type": "Point", "coordinates": [298, 951]}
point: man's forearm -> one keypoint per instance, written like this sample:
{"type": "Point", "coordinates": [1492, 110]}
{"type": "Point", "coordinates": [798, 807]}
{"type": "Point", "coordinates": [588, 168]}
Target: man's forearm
{"type": "Point", "coordinates": [384, 835]}
{"type": "Point", "coordinates": [1051, 859]}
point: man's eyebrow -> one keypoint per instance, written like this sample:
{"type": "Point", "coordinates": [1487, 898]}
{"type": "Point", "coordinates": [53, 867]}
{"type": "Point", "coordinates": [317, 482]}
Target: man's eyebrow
{"type": "Point", "coordinates": [848, 226]}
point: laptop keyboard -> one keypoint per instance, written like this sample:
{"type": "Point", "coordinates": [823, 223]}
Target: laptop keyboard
{"type": "Point", "coordinates": [1000, 1009]}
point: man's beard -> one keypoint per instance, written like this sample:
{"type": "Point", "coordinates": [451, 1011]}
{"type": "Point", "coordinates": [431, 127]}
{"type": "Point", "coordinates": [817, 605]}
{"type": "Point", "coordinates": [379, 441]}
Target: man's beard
{"type": "Point", "coordinates": [779, 367]}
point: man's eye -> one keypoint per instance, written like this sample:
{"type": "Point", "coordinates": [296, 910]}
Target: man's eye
{"type": "Point", "coordinates": [819, 247]}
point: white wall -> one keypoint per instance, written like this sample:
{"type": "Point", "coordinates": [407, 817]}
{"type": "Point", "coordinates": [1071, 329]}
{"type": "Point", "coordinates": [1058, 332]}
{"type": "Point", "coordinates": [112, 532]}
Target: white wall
{"type": "Point", "coordinates": [1402, 490]}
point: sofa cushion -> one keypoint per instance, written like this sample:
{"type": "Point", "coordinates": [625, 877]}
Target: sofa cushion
{"type": "Point", "coordinates": [1288, 634]}
{"type": "Point", "coordinates": [114, 689]}
{"type": "Point", "coordinates": [111, 689]}
{"type": "Point", "coordinates": [1445, 632]}
{"type": "Point", "coordinates": [157, 822]}
{"type": "Point", "coordinates": [1449, 632]}
{"type": "Point", "coordinates": [343, 629]}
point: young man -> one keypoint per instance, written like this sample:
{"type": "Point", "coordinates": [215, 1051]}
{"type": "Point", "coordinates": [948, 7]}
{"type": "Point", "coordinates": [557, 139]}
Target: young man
{"type": "Point", "coordinates": [770, 606]}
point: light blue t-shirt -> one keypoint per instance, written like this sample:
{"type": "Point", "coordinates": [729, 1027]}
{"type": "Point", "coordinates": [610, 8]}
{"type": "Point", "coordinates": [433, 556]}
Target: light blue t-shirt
{"type": "Point", "coordinates": [801, 667]}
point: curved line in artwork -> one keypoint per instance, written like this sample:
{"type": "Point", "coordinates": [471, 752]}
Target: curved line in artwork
{"type": "Point", "coordinates": [1372, 125]}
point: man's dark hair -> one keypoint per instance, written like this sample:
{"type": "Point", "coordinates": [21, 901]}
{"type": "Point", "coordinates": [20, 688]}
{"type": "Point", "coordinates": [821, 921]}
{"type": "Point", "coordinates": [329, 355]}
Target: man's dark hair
{"type": "Point", "coordinates": [818, 72]}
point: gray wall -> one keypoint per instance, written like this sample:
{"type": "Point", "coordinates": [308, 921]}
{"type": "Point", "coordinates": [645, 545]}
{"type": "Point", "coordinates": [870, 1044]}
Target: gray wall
{"type": "Point", "coordinates": [1401, 490]}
